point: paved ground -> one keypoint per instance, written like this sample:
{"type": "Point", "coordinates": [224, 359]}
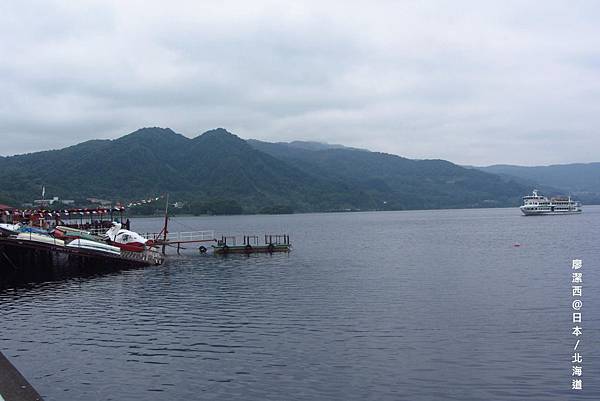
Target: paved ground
{"type": "Point", "coordinates": [13, 386]}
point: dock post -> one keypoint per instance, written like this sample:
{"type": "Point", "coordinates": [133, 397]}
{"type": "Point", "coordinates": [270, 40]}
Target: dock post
{"type": "Point", "coordinates": [13, 386]}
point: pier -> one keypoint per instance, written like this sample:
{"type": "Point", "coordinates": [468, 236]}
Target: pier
{"type": "Point", "coordinates": [27, 261]}
{"type": "Point", "coordinates": [165, 238]}
{"type": "Point", "coordinates": [13, 386]}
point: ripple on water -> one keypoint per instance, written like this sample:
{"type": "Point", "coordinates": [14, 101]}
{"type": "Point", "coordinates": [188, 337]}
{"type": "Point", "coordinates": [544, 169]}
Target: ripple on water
{"type": "Point", "coordinates": [427, 306]}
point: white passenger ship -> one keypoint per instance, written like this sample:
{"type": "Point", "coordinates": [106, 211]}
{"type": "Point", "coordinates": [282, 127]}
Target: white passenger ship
{"type": "Point", "coordinates": [536, 204]}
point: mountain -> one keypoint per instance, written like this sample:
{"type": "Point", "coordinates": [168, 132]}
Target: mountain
{"type": "Point", "coordinates": [311, 145]}
{"type": "Point", "coordinates": [220, 171]}
{"type": "Point", "coordinates": [581, 180]}
{"type": "Point", "coordinates": [394, 182]}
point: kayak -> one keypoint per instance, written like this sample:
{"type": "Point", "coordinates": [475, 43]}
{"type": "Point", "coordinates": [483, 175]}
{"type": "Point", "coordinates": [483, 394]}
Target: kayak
{"type": "Point", "coordinates": [44, 238]}
{"type": "Point", "coordinates": [93, 246]}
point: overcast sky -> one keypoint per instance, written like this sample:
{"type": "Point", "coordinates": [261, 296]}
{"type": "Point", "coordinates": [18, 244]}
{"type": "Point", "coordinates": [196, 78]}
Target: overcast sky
{"type": "Point", "coordinates": [476, 82]}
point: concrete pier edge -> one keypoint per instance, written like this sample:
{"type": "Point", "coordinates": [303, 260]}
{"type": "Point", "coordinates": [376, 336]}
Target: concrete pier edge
{"type": "Point", "coordinates": [13, 386]}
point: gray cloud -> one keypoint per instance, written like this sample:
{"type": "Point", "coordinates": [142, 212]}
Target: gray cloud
{"type": "Point", "coordinates": [471, 82]}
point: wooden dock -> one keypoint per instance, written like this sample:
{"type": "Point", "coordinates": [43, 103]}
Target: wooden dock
{"type": "Point", "coordinates": [13, 386]}
{"type": "Point", "coordinates": [252, 244]}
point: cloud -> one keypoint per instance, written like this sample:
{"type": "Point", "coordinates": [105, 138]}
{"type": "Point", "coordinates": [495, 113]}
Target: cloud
{"type": "Point", "coordinates": [472, 82]}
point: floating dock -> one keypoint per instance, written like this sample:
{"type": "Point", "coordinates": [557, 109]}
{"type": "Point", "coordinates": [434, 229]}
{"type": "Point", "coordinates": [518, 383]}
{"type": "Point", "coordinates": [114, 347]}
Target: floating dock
{"type": "Point", "coordinates": [13, 386]}
{"type": "Point", "coordinates": [251, 244]}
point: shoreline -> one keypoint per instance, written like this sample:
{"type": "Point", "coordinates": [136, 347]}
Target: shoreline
{"type": "Point", "coordinates": [333, 212]}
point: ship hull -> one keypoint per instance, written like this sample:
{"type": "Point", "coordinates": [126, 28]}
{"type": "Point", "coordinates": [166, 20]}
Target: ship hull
{"type": "Point", "coordinates": [548, 213]}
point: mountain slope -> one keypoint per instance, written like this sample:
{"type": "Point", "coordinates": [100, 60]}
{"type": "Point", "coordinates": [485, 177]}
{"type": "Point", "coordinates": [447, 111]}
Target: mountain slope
{"type": "Point", "coordinates": [132, 166]}
{"type": "Point", "coordinates": [580, 179]}
{"type": "Point", "coordinates": [399, 182]}
{"type": "Point", "coordinates": [218, 165]}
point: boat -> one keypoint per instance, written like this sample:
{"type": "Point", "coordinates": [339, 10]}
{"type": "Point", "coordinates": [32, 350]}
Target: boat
{"type": "Point", "coordinates": [125, 239]}
{"type": "Point", "coordinates": [34, 230]}
{"type": "Point", "coordinates": [94, 246]}
{"type": "Point", "coordinates": [9, 229]}
{"type": "Point", "coordinates": [74, 246]}
{"type": "Point", "coordinates": [35, 237]}
{"type": "Point", "coordinates": [539, 205]}
{"type": "Point", "coordinates": [74, 233]}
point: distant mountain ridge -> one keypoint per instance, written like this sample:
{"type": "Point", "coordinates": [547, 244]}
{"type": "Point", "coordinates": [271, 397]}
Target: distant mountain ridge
{"type": "Point", "coordinates": [582, 180]}
{"type": "Point", "coordinates": [310, 145]}
{"type": "Point", "coordinates": [219, 166]}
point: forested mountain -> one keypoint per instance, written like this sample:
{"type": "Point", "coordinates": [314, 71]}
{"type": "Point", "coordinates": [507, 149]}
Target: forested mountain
{"type": "Point", "coordinates": [581, 180]}
{"type": "Point", "coordinates": [219, 167]}
{"type": "Point", "coordinates": [394, 182]}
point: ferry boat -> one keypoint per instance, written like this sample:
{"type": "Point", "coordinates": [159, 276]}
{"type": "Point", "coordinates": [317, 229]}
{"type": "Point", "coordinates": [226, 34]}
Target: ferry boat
{"type": "Point", "coordinates": [538, 205]}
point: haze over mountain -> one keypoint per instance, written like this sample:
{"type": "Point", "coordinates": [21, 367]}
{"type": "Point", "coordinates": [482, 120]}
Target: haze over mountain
{"type": "Point", "coordinates": [219, 166]}
{"type": "Point", "coordinates": [581, 180]}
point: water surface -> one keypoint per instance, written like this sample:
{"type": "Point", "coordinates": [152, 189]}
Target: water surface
{"type": "Point", "coordinates": [419, 305]}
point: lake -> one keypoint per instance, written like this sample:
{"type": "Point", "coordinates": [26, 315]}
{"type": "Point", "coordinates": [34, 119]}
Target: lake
{"type": "Point", "coordinates": [414, 305]}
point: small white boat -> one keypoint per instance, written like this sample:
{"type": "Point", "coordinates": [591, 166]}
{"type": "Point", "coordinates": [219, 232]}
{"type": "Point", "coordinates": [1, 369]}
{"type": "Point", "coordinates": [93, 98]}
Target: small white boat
{"type": "Point", "coordinates": [94, 246]}
{"type": "Point", "coordinates": [46, 239]}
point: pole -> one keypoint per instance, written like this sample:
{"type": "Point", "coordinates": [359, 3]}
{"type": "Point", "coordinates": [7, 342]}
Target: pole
{"type": "Point", "coordinates": [165, 230]}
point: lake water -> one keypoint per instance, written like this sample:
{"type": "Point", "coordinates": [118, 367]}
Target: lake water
{"type": "Point", "coordinates": [417, 305]}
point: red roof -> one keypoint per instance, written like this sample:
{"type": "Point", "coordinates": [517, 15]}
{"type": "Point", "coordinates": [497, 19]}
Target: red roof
{"type": "Point", "coordinates": [5, 207]}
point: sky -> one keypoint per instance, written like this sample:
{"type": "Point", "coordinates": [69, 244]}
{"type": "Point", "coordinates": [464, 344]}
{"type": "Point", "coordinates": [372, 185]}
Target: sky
{"type": "Point", "coordinates": [473, 82]}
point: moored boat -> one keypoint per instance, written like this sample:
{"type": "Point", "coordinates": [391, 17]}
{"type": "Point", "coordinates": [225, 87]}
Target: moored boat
{"type": "Point", "coordinates": [126, 239]}
{"type": "Point", "coordinates": [9, 229]}
{"type": "Point", "coordinates": [35, 237]}
{"type": "Point", "coordinates": [73, 233]}
{"type": "Point", "coordinates": [94, 246]}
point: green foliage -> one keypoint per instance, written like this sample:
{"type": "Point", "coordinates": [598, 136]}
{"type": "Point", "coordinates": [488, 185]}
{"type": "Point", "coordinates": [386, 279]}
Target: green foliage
{"type": "Point", "coordinates": [276, 209]}
{"type": "Point", "coordinates": [219, 173]}
{"type": "Point", "coordinates": [149, 209]}
{"type": "Point", "coordinates": [216, 207]}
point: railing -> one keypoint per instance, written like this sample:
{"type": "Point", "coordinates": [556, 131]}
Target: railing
{"type": "Point", "coordinates": [173, 237]}
{"type": "Point", "coordinates": [188, 236]}
{"type": "Point", "coordinates": [97, 231]}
